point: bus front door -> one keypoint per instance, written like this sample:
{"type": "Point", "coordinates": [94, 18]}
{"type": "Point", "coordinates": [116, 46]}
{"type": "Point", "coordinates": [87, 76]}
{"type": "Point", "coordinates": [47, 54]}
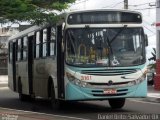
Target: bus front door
{"type": "Point", "coordinates": [60, 64]}
{"type": "Point", "coordinates": [30, 63]}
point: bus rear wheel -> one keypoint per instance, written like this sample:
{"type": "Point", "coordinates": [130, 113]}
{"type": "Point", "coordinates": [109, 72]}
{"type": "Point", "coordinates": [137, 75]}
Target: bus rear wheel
{"type": "Point", "coordinates": [116, 103]}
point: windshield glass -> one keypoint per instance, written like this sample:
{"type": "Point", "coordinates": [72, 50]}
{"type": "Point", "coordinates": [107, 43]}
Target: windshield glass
{"type": "Point", "coordinates": [89, 47]}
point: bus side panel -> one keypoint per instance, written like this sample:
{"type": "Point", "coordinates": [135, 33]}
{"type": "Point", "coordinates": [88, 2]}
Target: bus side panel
{"type": "Point", "coordinates": [43, 69]}
{"type": "Point", "coordinates": [22, 74]}
{"type": "Point", "coordinates": [51, 69]}
{"type": "Point", "coordinates": [40, 77]}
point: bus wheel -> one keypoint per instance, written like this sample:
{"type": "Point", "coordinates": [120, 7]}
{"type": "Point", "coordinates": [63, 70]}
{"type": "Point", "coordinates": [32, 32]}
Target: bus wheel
{"type": "Point", "coordinates": [116, 103]}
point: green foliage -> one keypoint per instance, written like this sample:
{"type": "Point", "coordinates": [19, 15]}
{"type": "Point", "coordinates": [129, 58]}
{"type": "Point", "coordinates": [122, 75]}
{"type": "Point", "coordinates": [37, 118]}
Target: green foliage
{"type": "Point", "coordinates": [152, 66]}
{"type": "Point", "coordinates": [33, 11]}
{"type": "Point", "coordinates": [153, 55]}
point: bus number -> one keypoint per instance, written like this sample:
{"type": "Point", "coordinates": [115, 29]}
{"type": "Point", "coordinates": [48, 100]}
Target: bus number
{"type": "Point", "coordinates": [86, 77]}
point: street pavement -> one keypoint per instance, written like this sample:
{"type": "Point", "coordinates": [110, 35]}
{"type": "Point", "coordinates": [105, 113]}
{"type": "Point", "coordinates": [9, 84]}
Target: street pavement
{"type": "Point", "coordinates": [153, 95]}
{"type": "Point", "coordinates": [3, 80]}
{"type": "Point", "coordinates": [14, 114]}
{"type": "Point", "coordinates": [11, 108]}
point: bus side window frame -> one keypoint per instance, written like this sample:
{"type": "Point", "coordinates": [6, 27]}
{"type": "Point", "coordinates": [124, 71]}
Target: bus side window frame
{"type": "Point", "coordinates": [44, 43]}
{"type": "Point", "coordinates": [48, 40]}
{"type": "Point", "coordinates": [24, 49]}
{"type": "Point", "coordinates": [37, 45]}
{"type": "Point", "coordinates": [10, 52]}
{"type": "Point", "coordinates": [19, 46]}
{"type": "Point", "coordinates": [53, 41]}
{"type": "Point", "coordinates": [41, 44]}
{"type": "Point", "coordinates": [21, 50]}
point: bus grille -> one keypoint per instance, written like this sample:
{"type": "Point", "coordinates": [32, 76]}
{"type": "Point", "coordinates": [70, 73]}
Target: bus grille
{"type": "Point", "coordinates": [99, 93]}
{"type": "Point", "coordinates": [109, 72]}
{"type": "Point", "coordinates": [106, 84]}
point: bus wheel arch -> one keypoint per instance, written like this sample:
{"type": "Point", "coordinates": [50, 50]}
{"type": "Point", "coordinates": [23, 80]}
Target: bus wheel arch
{"type": "Point", "coordinates": [50, 83]}
{"type": "Point", "coordinates": [19, 85]}
{"type": "Point", "coordinates": [22, 96]}
{"type": "Point", "coordinates": [55, 103]}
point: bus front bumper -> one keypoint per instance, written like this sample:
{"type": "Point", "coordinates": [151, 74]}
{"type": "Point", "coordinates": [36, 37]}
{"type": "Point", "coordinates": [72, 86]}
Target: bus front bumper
{"type": "Point", "coordinates": [74, 92]}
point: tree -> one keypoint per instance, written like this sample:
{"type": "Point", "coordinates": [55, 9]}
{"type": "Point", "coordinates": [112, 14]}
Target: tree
{"type": "Point", "coordinates": [33, 11]}
{"type": "Point", "coordinates": [153, 58]}
{"type": "Point", "coordinates": [153, 55]}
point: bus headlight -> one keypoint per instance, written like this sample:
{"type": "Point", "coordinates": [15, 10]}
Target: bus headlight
{"type": "Point", "coordinates": [76, 81]}
{"type": "Point", "coordinates": [137, 81]}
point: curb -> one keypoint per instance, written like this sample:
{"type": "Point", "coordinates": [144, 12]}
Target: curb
{"type": "Point", "coordinates": [152, 99]}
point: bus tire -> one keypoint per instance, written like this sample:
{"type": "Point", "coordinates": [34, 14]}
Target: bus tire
{"type": "Point", "coordinates": [22, 96]}
{"type": "Point", "coordinates": [116, 103]}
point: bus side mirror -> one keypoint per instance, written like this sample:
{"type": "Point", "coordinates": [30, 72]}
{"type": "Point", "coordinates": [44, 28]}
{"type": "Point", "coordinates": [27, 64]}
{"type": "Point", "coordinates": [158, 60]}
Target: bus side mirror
{"type": "Point", "coordinates": [146, 39]}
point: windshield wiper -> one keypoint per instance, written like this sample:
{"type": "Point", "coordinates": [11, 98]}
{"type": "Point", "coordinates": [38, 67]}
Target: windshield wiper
{"type": "Point", "coordinates": [125, 26]}
{"type": "Point", "coordinates": [71, 38]}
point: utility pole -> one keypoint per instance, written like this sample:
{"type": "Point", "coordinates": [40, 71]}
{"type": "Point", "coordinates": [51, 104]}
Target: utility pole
{"type": "Point", "coordinates": [125, 4]}
{"type": "Point", "coordinates": [157, 76]}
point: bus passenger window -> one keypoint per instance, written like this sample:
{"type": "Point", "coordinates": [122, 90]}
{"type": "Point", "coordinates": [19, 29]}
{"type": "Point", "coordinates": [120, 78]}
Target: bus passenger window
{"type": "Point", "coordinates": [10, 52]}
{"type": "Point", "coordinates": [44, 42]}
{"type": "Point", "coordinates": [37, 44]}
{"type": "Point", "coordinates": [19, 49]}
{"type": "Point", "coordinates": [53, 41]}
{"type": "Point", "coordinates": [25, 48]}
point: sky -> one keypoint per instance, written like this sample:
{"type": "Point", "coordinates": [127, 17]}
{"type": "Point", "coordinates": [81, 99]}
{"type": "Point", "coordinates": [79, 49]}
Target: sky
{"type": "Point", "coordinates": [148, 11]}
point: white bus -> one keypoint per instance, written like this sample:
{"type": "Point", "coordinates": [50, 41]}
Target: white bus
{"type": "Point", "coordinates": [89, 55]}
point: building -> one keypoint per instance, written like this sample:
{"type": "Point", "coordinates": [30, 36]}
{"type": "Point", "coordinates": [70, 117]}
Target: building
{"type": "Point", "coordinates": [5, 33]}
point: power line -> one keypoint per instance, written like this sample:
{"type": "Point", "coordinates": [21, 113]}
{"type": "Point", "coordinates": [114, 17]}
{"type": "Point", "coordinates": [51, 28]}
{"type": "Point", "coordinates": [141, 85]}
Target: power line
{"type": "Point", "coordinates": [149, 24]}
{"type": "Point", "coordinates": [145, 8]}
{"type": "Point", "coordinates": [149, 29]}
{"type": "Point", "coordinates": [113, 5]}
{"type": "Point", "coordinates": [141, 4]}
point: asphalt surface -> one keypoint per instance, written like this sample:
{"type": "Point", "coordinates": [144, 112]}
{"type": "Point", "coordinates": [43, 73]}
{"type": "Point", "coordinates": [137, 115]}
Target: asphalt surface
{"type": "Point", "coordinates": [11, 108]}
{"type": "Point", "coordinates": [93, 110]}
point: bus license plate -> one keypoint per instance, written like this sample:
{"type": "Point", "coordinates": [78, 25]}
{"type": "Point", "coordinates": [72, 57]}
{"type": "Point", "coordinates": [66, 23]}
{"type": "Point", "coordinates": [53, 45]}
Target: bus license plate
{"type": "Point", "coordinates": [110, 91]}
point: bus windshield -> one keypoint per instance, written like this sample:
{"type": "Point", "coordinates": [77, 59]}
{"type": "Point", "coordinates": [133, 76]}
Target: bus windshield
{"type": "Point", "coordinates": [91, 47]}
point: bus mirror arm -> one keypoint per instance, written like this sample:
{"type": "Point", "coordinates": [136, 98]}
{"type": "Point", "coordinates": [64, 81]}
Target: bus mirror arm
{"type": "Point", "coordinates": [146, 39]}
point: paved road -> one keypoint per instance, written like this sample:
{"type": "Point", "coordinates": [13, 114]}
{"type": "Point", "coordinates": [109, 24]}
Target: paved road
{"type": "Point", "coordinates": [85, 110]}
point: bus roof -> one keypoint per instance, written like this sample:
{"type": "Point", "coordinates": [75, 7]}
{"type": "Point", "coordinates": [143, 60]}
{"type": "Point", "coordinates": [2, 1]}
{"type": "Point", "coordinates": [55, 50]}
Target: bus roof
{"type": "Point", "coordinates": [25, 32]}
{"type": "Point", "coordinates": [92, 10]}
{"type": "Point", "coordinates": [36, 28]}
